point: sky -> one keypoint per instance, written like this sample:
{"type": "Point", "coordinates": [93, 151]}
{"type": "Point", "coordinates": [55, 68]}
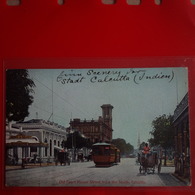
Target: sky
{"type": "Point", "coordinates": [137, 95]}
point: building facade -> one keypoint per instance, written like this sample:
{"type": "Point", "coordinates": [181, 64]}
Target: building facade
{"type": "Point", "coordinates": [42, 131]}
{"type": "Point", "coordinates": [96, 130]}
{"type": "Point", "coordinates": [182, 138]}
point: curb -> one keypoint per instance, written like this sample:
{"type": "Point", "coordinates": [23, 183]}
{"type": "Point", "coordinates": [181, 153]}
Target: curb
{"type": "Point", "coordinates": [19, 167]}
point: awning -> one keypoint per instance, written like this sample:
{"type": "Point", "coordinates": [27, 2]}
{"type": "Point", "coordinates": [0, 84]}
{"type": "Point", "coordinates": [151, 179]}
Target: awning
{"type": "Point", "coordinates": [24, 141]}
{"type": "Point", "coordinates": [25, 144]}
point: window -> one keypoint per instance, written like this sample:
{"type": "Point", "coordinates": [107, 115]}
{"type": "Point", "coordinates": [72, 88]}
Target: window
{"type": "Point", "coordinates": [50, 147]}
{"type": "Point", "coordinates": [45, 151]}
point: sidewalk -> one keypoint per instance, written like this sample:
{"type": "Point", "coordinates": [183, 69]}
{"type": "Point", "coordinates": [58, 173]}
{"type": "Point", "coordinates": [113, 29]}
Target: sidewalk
{"type": "Point", "coordinates": [32, 165]}
{"type": "Point", "coordinates": [27, 166]}
{"type": "Point", "coordinates": [170, 165]}
{"type": "Point", "coordinates": [184, 180]}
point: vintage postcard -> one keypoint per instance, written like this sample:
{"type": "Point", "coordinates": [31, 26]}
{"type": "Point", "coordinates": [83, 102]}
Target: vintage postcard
{"type": "Point", "coordinates": [97, 127]}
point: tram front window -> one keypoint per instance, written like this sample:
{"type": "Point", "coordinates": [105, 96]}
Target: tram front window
{"type": "Point", "coordinates": [107, 152]}
{"type": "Point", "coordinates": [101, 150]}
{"type": "Point", "coordinates": [98, 151]}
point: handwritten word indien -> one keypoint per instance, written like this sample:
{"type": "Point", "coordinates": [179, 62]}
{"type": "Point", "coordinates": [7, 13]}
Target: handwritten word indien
{"type": "Point", "coordinates": [139, 77]}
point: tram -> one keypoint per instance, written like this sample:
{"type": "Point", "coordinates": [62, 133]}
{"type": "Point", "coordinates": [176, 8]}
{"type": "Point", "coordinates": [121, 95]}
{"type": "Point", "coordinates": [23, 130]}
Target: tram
{"type": "Point", "coordinates": [104, 154]}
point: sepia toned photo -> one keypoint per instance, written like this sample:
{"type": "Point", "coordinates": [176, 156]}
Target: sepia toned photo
{"type": "Point", "coordinates": [125, 127]}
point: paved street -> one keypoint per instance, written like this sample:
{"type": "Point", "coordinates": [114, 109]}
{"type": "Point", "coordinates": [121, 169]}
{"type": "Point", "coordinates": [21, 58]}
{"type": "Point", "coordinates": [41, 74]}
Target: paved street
{"type": "Point", "coordinates": [126, 173]}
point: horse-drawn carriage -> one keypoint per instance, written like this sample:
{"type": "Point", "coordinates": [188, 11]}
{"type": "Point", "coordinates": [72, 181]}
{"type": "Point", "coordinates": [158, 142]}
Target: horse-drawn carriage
{"type": "Point", "coordinates": [63, 158]}
{"type": "Point", "coordinates": [149, 162]}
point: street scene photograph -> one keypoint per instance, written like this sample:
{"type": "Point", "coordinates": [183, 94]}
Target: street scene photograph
{"type": "Point", "coordinates": [123, 127]}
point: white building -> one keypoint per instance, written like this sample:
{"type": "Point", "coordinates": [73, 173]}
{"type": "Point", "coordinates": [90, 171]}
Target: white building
{"type": "Point", "coordinates": [43, 132]}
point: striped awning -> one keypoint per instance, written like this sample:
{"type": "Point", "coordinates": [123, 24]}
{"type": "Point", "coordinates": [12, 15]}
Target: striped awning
{"type": "Point", "coordinates": [24, 141]}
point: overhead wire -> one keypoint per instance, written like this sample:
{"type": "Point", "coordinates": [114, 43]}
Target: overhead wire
{"type": "Point", "coordinates": [65, 100]}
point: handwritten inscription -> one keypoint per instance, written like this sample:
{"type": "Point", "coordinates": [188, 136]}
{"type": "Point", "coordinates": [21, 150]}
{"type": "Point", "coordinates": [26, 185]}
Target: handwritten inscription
{"type": "Point", "coordinates": [105, 76]}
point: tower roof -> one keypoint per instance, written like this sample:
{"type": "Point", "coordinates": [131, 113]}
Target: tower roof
{"type": "Point", "coordinates": [106, 106]}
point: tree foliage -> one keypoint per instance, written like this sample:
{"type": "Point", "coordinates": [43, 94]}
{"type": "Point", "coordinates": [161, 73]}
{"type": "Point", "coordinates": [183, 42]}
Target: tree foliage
{"type": "Point", "coordinates": [18, 98]}
{"type": "Point", "coordinates": [76, 140]}
{"type": "Point", "coordinates": [163, 132]}
{"type": "Point", "coordinates": [125, 148]}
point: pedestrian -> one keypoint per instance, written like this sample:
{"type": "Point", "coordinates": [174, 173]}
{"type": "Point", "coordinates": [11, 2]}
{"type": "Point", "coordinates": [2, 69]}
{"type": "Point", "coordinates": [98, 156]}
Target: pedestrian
{"type": "Point", "coordinates": [35, 158]}
{"type": "Point", "coordinates": [146, 150]}
{"type": "Point", "coordinates": [16, 159]}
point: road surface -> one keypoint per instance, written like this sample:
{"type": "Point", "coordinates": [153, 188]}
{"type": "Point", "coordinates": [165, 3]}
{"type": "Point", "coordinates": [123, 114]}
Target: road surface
{"type": "Point", "coordinates": [126, 173]}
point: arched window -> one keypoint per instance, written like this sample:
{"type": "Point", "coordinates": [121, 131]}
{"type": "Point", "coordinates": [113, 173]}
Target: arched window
{"type": "Point", "coordinates": [50, 145]}
{"type": "Point", "coordinates": [36, 138]}
{"type": "Point", "coordinates": [45, 141]}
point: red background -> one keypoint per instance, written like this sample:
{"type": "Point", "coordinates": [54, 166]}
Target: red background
{"type": "Point", "coordinates": [88, 29]}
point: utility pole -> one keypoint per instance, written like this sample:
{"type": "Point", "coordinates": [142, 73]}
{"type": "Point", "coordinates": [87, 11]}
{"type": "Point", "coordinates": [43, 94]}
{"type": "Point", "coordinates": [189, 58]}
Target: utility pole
{"type": "Point", "coordinates": [138, 141]}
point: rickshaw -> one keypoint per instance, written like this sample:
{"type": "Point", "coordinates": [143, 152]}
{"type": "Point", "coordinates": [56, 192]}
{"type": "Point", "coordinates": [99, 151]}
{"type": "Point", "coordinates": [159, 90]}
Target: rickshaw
{"type": "Point", "coordinates": [148, 162]}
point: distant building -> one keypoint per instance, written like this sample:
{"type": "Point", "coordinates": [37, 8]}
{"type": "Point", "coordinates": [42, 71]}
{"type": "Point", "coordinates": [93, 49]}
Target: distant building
{"type": "Point", "coordinates": [182, 138]}
{"type": "Point", "coordinates": [43, 132]}
{"type": "Point", "coordinates": [96, 130]}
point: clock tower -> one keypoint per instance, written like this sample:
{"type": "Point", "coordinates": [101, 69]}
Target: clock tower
{"type": "Point", "coordinates": [107, 114]}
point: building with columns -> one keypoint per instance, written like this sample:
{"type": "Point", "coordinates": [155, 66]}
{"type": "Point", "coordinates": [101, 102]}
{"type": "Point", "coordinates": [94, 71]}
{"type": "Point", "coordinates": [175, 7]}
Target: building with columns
{"type": "Point", "coordinates": [43, 132]}
{"type": "Point", "coordinates": [99, 130]}
{"type": "Point", "coordinates": [182, 138]}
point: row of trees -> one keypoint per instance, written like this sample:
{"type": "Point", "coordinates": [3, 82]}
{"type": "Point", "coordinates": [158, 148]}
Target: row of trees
{"type": "Point", "coordinates": [76, 140]}
{"type": "Point", "coordinates": [125, 148]}
{"type": "Point", "coordinates": [163, 133]}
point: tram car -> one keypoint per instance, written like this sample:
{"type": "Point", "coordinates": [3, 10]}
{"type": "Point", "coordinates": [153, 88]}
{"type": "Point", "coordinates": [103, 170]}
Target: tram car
{"type": "Point", "coordinates": [104, 154]}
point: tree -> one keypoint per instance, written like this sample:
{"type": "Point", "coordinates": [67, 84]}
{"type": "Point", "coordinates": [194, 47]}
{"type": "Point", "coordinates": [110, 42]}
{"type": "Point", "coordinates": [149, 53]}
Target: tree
{"type": "Point", "coordinates": [77, 140]}
{"type": "Point", "coordinates": [163, 133]}
{"type": "Point", "coordinates": [125, 148]}
{"type": "Point", "coordinates": [18, 98]}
